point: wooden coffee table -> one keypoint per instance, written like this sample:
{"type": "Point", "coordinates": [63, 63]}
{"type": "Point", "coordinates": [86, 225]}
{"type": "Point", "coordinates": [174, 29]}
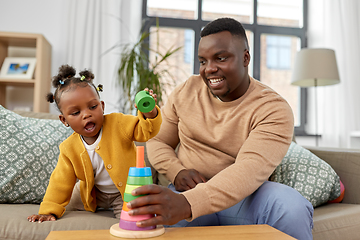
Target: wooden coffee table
{"type": "Point", "coordinates": [249, 232]}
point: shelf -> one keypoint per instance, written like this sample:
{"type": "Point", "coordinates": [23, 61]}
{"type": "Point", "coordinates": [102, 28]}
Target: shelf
{"type": "Point", "coordinates": [17, 82]}
{"type": "Point", "coordinates": [41, 82]}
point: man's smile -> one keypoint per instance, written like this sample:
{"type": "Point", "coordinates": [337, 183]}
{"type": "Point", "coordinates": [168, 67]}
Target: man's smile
{"type": "Point", "coordinates": [215, 82]}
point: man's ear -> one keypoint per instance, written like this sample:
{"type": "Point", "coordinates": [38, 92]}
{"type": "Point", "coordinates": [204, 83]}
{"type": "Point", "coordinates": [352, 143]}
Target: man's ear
{"type": "Point", "coordinates": [63, 120]}
{"type": "Point", "coordinates": [246, 58]}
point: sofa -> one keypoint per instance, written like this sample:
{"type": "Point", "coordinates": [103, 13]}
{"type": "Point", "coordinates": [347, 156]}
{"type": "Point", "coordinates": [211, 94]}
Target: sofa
{"type": "Point", "coordinates": [331, 221]}
{"type": "Point", "coordinates": [340, 220]}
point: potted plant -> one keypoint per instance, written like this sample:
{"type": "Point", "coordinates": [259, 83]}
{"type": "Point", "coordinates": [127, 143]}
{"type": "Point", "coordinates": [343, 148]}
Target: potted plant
{"type": "Point", "coordinates": [137, 71]}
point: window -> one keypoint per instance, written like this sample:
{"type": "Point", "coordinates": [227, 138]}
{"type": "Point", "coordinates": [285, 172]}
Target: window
{"type": "Point", "coordinates": [278, 52]}
{"type": "Point", "coordinates": [180, 65]}
{"type": "Point", "coordinates": [188, 45]}
{"type": "Point", "coordinates": [276, 30]}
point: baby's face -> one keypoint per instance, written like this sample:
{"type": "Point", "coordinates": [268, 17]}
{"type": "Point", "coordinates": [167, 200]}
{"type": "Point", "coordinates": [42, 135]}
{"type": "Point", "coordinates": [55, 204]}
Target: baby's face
{"type": "Point", "coordinates": [82, 109]}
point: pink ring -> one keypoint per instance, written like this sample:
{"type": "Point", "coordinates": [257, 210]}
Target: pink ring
{"type": "Point", "coordinates": [125, 216]}
{"type": "Point", "coordinates": [132, 226]}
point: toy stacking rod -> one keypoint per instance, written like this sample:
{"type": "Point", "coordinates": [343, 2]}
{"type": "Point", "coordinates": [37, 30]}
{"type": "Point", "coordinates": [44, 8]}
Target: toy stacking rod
{"type": "Point", "coordinates": [140, 157]}
{"type": "Point", "coordinates": [138, 176]}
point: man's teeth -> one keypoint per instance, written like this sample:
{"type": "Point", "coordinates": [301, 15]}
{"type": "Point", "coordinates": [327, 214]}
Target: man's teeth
{"type": "Point", "coordinates": [215, 80]}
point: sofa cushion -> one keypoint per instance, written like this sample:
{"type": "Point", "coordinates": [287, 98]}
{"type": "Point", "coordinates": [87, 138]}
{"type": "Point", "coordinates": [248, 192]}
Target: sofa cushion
{"type": "Point", "coordinates": [311, 176]}
{"type": "Point", "coordinates": [29, 149]}
{"type": "Point", "coordinates": [336, 221]}
{"type": "Point", "coordinates": [14, 223]}
{"type": "Point", "coordinates": [346, 163]}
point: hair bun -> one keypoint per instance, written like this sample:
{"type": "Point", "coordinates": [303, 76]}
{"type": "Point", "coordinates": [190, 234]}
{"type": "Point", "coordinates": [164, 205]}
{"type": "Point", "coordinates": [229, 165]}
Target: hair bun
{"type": "Point", "coordinates": [66, 71]}
{"type": "Point", "coordinates": [87, 75]}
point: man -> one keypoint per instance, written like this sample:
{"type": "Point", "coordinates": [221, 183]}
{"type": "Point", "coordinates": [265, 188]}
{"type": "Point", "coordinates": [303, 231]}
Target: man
{"type": "Point", "coordinates": [233, 131]}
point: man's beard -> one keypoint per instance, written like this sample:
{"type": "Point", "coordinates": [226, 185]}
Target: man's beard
{"type": "Point", "coordinates": [219, 97]}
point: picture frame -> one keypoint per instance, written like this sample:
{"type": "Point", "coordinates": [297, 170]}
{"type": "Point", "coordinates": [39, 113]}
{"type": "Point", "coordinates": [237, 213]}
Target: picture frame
{"type": "Point", "coordinates": [18, 68]}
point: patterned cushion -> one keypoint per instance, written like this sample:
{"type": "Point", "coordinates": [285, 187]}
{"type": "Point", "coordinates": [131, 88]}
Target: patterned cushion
{"type": "Point", "coordinates": [29, 149]}
{"type": "Point", "coordinates": [311, 176]}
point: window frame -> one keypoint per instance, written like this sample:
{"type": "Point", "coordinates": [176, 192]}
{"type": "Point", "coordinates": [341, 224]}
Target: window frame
{"type": "Point", "coordinates": [257, 29]}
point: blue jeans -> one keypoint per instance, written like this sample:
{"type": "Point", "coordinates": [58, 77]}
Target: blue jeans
{"type": "Point", "coordinates": [275, 204]}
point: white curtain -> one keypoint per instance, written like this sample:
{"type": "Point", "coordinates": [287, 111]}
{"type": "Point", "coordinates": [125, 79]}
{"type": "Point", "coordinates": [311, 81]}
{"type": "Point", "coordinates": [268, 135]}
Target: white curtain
{"type": "Point", "coordinates": [335, 24]}
{"type": "Point", "coordinates": [93, 28]}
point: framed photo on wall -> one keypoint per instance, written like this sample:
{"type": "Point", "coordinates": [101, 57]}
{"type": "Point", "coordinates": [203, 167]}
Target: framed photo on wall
{"type": "Point", "coordinates": [18, 67]}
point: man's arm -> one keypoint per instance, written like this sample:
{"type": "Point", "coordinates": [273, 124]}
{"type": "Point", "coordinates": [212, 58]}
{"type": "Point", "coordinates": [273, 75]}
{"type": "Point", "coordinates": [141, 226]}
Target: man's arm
{"type": "Point", "coordinates": [162, 154]}
{"type": "Point", "coordinates": [161, 148]}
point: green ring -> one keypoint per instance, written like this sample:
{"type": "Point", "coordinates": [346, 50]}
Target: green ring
{"type": "Point", "coordinates": [144, 101]}
{"type": "Point", "coordinates": [128, 197]}
{"type": "Point", "coordinates": [129, 188]}
{"type": "Point", "coordinates": [139, 180]}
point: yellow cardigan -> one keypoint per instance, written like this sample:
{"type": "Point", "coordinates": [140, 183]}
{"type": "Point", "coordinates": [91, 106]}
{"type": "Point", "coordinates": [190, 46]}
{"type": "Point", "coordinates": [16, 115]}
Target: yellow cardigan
{"type": "Point", "coordinates": [116, 148]}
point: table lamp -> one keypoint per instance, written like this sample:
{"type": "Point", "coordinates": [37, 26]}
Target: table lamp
{"type": "Point", "coordinates": [315, 67]}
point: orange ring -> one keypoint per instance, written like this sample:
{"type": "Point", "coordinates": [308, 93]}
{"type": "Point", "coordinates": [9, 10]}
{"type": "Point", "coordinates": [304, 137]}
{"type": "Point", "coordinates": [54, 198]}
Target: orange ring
{"type": "Point", "coordinates": [125, 208]}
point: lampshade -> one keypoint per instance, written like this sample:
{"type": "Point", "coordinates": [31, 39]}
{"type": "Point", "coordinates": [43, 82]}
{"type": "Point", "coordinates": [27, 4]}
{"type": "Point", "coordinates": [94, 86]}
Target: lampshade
{"type": "Point", "coordinates": [315, 63]}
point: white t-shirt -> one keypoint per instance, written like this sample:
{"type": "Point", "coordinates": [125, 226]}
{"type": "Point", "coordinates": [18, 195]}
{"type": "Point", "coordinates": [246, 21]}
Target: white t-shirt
{"type": "Point", "coordinates": [102, 178]}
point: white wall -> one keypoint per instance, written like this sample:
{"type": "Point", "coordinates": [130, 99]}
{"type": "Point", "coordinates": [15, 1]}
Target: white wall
{"type": "Point", "coordinates": [35, 16]}
{"type": "Point", "coordinates": [51, 18]}
{"type": "Point", "coordinates": [334, 24]}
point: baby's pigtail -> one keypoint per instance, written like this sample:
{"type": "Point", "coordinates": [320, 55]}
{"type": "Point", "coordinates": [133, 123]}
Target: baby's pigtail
{"type": "Point", "coordinates": [99, 88]}
{"type": "Point", "coordinates": [57, 81]}
{"type": "Point", "coordinates": [65, 72]}
{"type": "Point", "coordinates": [50, 97]}
{"type": "Point", "coordinates": [86, 75]}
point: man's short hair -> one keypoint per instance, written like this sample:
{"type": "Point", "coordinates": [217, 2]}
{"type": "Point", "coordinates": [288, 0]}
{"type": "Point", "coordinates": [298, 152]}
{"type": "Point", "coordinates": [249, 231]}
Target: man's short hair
{"type": "Point", "coordinates": [225, 24]}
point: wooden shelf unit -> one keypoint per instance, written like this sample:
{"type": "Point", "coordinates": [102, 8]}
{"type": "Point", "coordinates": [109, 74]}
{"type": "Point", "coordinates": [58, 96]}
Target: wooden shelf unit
{"type": "Point", "coordinates": [42, 77]}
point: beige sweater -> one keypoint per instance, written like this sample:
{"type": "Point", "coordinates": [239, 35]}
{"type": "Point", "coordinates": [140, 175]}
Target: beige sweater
{"type": "Point", "coordinates": [235, 145]}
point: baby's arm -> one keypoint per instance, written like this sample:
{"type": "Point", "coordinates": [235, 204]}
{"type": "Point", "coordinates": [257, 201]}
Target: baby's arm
{"type": "Point", "coordinates": [41, 218]}
{"type": "Point", "coordinates": [58, 192]}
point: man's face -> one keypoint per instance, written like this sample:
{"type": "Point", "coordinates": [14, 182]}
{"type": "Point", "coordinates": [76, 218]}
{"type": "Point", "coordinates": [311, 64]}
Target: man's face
{"type": "Point", "coordinates": [223, 65]}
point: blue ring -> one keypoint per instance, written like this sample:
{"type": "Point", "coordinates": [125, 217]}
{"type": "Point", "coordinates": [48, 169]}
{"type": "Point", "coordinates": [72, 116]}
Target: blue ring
{"type": "Point", "coordinates": [140, 172]}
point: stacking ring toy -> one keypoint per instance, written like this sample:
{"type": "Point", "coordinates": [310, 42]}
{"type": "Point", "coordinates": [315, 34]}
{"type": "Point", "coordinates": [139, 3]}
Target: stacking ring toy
{"type": "Point", "coordinates": [144, 101]}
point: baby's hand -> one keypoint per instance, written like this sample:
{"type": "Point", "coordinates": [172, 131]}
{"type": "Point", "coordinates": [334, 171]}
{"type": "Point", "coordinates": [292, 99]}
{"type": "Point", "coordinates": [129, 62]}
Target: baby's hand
{"type": "Point", "coordinates": [41, 218]}
{"type": "Point", "coordinates": [151, 92]}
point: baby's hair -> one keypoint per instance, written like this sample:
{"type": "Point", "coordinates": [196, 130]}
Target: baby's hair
{"type": "Point", "coordinates": [66, 79]}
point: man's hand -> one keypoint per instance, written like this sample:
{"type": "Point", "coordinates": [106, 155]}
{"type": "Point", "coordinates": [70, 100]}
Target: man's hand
{"type": "Point", "coordinates": [41, 218]}
{"type": "Point", "coordinates": [188, 179]}
{"type": "Point", "coordinates": [168, 206]}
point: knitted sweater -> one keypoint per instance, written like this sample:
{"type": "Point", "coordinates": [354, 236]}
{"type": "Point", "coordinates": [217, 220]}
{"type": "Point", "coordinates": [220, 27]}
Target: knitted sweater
{"type": "Point", "coordinates": [116, 148]}
{"type": "Point", "coordinates": [236, 145]}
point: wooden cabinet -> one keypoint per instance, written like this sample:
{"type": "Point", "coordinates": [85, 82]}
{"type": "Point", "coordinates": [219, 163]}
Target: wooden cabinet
{"type": "Point", "coordinates": [40, 84]}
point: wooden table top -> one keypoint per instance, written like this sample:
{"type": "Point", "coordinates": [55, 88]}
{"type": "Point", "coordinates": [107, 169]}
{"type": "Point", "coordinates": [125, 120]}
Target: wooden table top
{"type": "Point", "coordinates": [249, 232]}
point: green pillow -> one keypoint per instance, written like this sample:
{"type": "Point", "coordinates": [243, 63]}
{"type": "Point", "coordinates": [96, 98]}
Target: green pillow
{"type": "Point", "coordinates": [311, 176]}
{"type": "Point", "coordinates": [29, 150]}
